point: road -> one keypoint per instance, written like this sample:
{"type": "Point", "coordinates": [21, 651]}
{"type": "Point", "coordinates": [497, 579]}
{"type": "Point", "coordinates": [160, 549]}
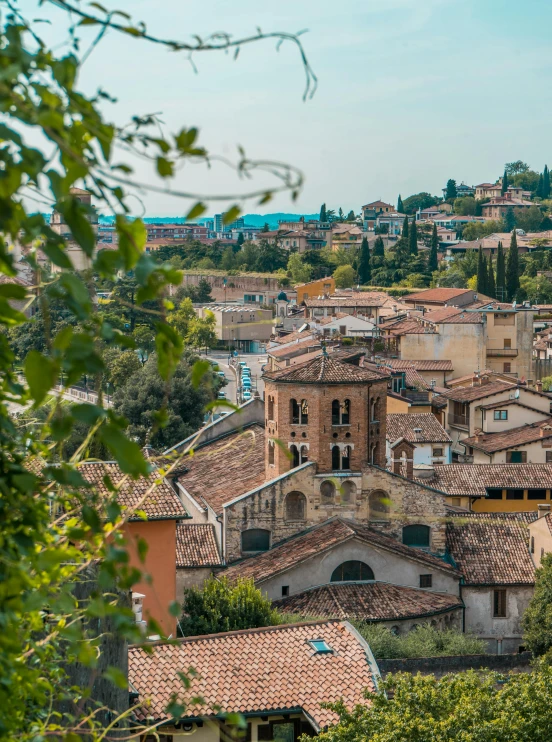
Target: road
{"type": "Point", "coordinates": [253, 360]}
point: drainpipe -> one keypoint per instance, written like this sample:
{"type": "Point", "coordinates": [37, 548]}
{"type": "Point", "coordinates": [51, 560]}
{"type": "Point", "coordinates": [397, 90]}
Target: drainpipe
{"type": "Point", "coordinates": [463, 608]}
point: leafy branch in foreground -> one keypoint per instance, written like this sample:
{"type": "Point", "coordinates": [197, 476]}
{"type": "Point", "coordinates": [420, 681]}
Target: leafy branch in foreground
{"type": "Point", "coordinates": [65, 571]}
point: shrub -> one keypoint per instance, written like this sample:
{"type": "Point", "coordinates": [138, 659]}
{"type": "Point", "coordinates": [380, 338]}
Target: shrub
{"type": "Point", "coordinates": [424, 641]}
{"type": "Point", "coordinates": [547, 383]}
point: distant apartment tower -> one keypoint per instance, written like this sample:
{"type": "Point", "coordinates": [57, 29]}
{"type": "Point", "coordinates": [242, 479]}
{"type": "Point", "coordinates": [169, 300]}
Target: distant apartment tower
{"type": "Point", "coordinates": [221, 227]}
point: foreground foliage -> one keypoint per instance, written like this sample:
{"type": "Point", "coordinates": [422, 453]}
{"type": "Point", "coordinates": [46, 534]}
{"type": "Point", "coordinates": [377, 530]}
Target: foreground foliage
{"type": "Point", "coordinates": [537, 619]}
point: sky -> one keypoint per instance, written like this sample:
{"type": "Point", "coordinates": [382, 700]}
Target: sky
{"type": "Point", "coordinates": [410, 93]}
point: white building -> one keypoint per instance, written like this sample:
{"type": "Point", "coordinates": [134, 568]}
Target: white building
{"type": "Point", "coordinates": [432, 442]}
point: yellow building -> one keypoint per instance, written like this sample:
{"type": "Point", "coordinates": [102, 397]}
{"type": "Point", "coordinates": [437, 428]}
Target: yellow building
{"type": "Point", "coordinates": [312, 289]}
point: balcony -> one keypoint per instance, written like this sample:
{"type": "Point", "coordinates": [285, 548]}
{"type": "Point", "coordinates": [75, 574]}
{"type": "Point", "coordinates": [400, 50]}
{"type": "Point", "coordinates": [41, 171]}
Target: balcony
{"type": "Point", "coordinates": [460, 421]}
{"type": "Point", "coordinates": [501, 352]}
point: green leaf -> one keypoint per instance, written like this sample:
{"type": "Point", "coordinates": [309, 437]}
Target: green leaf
{"type": "Point", "coordinates": [165, 167]}
{"type": "Point", "coordinates": [169, 346]}
{"type": "Point", "coordinates": [197, 210]}
{"type": "Point", "coordinates": [231, 215]}
{"type": "Point", "coordinates": [58, 256]}
{"type": "Point", "coordinates": [127, 453]}
{"type": "Point", "coordinates": [41, 374]}
{"type": "Point", "coordinates": [81, 229]}
{"type": "Point", "coordinates": [175, 609]}
{"type": "Point", "coordinates": [132, 238]}
{"type": "Point", "coordinates": [91, 518]}
{"type": "Point", "coordinates": [87, 413]}
{"type": "Point", "coordinates": [13, 291]}
{"type": "Point", "coordinates": [199, 369]}
{"type": "Point", "coordinates": [116, 676]}
{"type": "Point", "coordinates": [142, 546]}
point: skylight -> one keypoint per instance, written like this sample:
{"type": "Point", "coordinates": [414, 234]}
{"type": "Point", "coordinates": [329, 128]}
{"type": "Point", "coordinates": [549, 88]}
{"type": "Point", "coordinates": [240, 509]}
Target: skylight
{"type": "Point", "coordinates": [320, 646]}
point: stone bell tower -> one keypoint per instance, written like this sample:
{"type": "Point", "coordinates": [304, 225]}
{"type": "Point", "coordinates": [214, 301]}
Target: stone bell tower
{"type": "Point", "coordinates": [325, 410]}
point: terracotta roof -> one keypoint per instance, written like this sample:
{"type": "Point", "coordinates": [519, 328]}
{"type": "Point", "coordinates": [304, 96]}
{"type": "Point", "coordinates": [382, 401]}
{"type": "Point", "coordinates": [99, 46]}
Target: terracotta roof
{"type": "Point", "coordinates": [323, 370]}
{"type": "Point", "coordinates": [414, 380]}
{"type": "Point", "coordinates": [436, 295]}
{"type": "Point", "coordinates": [225, 468]}
{"type": "Point", "coordinates": [368, 601]}
{"type": "Point", "coordinates": [399, 364]}
{"type": "Point", "coordinates": [492, 442]}
{"type": "Point", "coordinates": [491, 549]}
{"type": "Point", "coordinates": [471, 393]}
{"type": "Point", "coordinates": [292, 337]}
{"type": "Point", "coordinates": [162, 503]}
{"type": "Point", "coordinates": [295, 348]}
{"type": "Point", "coordinates": [403, 426]}
{"type": "Point", "coordinates": [324, 537]}
{"type": "Point", "coordinates": [474, 479]}
{"type": "Point", "coordinates": [255, 671]}
{"type": "Point", "coordinates": [377, 203]}
{"type": "Point", "coordinates": [507, 403]}
{"type": "Point", "coordinates": [409, 327]}
{"type": "Point", "coordinates": [196, 545]}
{"type": "Point", "coordinates": [469, 377]}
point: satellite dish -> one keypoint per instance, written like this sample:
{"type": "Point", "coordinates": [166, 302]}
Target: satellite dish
{"type": "Point", "coordinates": [516, 396]}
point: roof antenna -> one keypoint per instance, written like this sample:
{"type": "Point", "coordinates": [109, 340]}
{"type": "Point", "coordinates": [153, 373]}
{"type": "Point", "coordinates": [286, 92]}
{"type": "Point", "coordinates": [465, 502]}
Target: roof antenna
{"type": "Point", "coordinates": [324, 350]}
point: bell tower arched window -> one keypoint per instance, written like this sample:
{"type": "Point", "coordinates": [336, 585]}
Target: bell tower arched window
{"type": "Point", "coordinates": [293, 412]}
{"type": "Point", "coordinates": [303, 454]}
{"type": "Point", "coordinates": [341, 412]}
{"type": "Point", "coordinates": [335, 412]}
{"type": "Point", "coordinates": [271, 449]}
{"type": "Point", "coordinates": [296, 505]}
{"type": "Point", "coordinates": [304, 412]}
{"type": "Point", "coordinates": [294, 455]}
{"type": "Point", "coordinates": [336, 458]}
{"type": "Point", "coordinates": [346, 458]}
{"type": "Point", "coordinates": [270, 408]}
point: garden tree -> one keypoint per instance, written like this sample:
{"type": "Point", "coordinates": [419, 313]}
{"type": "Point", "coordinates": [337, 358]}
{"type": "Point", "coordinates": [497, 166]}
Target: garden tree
{"type": "Point", "coordinates": [491, 284]}
{"type": "Point", "coordinates": [404, 233]}
{"type": "Point", "coordinates": [144, 339]}
{"type": "Point", "coordinates": [52, 314]}
{"type": "Point", "coordinates": [240, 239]}
{"type": "Point", "coordinates": [221, 605]}
{"type": "Point", "coordinates": [419, 201]}
{"type": "Point", "coordinates": [200, 294]}
{"type": "Point", "coordinates": [299, 271]}
{"type": "Point", "coordinates": [547, 383]}
{"type": "Point", "coordinates": [528, 180]}
{"type": "Point", "coordinates": [481, 273]}
{"type": "Point", "coordinates": [330, 215]}
{"type": "Point", "coordinates": [344, 276]}
{"type": "Point", "coordinates": [467, 706]}
{"type": "Point", "coordinates": [537, 289]}
{"type": "Point", "coordinates": [229, 258]}
{"type": "Point", "coordinates": [181, 317]}
{"type": "Point", "coordinates": [364, 270]}
{"type": "Point", "coordinates": [501, 294]}
{"type": "Point", "coordinates": [201, 331]}
{"type": "Point", "coordinates": [465, 206]}
{"type": "Point", "coordinates": [422, 641]}
{"type": "Point", "coordinates": [413, 239]}
{"type": "Point", "coordinates": [247, 257]}
{"type": "Point", "coordinates": [515, 168]}
{"type": "Point", "coordinates": [546, 224]}
{"type": "Point", "coordinates": [270, 256]}
{"type": "Point", "coordinates": [340, 215]}
{"type": "Point", "coordinates": [378, 250]}
{"type": "Point", "coordinates": [539, 191]}
{"type": "Point", "coordinates": [537, 619]}
{"type": "Point", "coordinates": [265, 228]}
{"type": "Point", "coordinates": [432, 261]}
{"type": "Point", "coordinates": [206, 264]}
{"type": "Point", "coordinates": [53, 138]}
{"type": "Point", "coordinates": [504, 182]}
{"type": "Point", "coordinates": [400, 206]}
{"type": "Point", "coordinates": [323, 216]}
{"type": "Point", "coordinates": [351, 216]}
{"type": "Point", "coordinates": [119, 366]}
{"type": "Point", "coordinates": [546, 182]}
{"type": "Point", "coordinates": [146, 392]}
{"type": "Point", "coordinates": [451, 192]}
{"type": "Point", "coordinates": [476, 230]}
{"type": "Point", "coordinates": [529, 219]}
{"type": "Point", "coordinates": [512, 268]}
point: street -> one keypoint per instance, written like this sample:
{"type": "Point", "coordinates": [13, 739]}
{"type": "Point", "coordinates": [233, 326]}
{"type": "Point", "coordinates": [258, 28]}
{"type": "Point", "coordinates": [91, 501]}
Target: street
{"type": "Point", "coordinates": [253, 360]}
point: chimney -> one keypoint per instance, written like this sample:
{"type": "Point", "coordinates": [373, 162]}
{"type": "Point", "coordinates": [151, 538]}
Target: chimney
{"type": "Point", "coordinates": [478, 434]}
{"type": "Point", "coordinates": [476, 381]}
{"type": "Point", "coordinates": [543, 509]}
{"type": "Point", "coordinates": [538, 385]}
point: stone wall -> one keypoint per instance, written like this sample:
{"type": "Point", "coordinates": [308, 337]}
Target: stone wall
{"type": "Point", "coordinates": [439, 666]}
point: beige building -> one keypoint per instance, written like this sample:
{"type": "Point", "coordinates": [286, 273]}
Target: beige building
{"type": "Point", "coordinates": [540, 534]}
{"type": "Point", "coordinates": [531, 443]}
{"type": "Point", "coordinates": [246, 328]}
{"type": "Point", "coordinates": [313, 289]}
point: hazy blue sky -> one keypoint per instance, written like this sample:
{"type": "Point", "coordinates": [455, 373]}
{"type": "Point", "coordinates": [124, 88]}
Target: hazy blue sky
{"type": "Point", "coordinates": [411, 92]}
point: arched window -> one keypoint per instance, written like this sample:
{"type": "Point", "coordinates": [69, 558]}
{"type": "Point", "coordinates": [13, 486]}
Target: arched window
{"type": "Point", "coordinates": [348, 492]}
{"type": "Point", "coordinates": [327, 491]}
{"type": "Point", "coordinates": [335, 412]}
{"type": "Point", "coordinates": [255, 539]}
{"type": "Point", "coordinates": [304, 454]}
{"type": "Point", "coordinates": [379, 505]}
{"type": "Point", "coordinates": [417, 536]}
{"type": "Point", "coordinates": [304, 412]}
{"type": "Point", "coordinates": [293, 412]}
{"type": "Point", "coordinates": [349, 571]}
{"type": "Point", "coordinates": [271, 449]}
{"type": "Point", "coordinates": [346, 412]}
{"type": "Point", "coordinates": [341, 412]}
{"type": "Point", "coordinates": [296, 505]}
{"type": "Point", "coordinates": [346, 458]}
{"type": "Point", "coordinates": [271, 408]}
{"type": "Point", "coordinates": [373, 409]}
{"type": "Point", "coordinates": [294, 451]}
{"type": "Point", "coordinates": [336, 458]}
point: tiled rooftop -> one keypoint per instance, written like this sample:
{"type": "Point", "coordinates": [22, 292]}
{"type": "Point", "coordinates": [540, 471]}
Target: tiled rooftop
{"type": "Point", "coordinates": [316, 540]}
{"type": "Point", "coordinates": [227, 467]}
{"type": "Point", "coordinates": [437, 295]}
{"type": "Point", "coordinates": [399, 364]}
{"type": "Point", "coordinates": [471, 393]}
{"type": "Point", "coordinates": [492, 442]}
{"type": "Point", "coordinates": [368, 601]}
{"type": "Point", "coordinates": [295, 348]}
{"type": "Point", "coordinates": [255, 671]}
{"type": "Point", "coordinates": [161, 503]}
{"type": "Point", "coordinates": [403, 426]}
{"type": "Point", "coordinates": [473, 479]}
{"type": "Point", "coordinates": [293, 336]}
{"type": "Point", "coordinates": [491, 548]}
{"type": "Point", "coordinates": [196, 545]}
{"type": "Point", "coordinates": [323, 370]}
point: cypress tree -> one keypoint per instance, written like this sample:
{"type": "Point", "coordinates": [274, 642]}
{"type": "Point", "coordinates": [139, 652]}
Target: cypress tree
{"type": "Point", "coordinates": [512, 269]}
{"type": "Point", "coordinates": [500, 274]}
{"type": "Point", "coordinates": [378, 251]}
{"type": "Point", "coordinates": [546, 182]}
{"type": "Point", "coordinates": [405, 228]}
{"type": "Point", "coordinates": [241, 239]}
{"type": "Point", "coordinates": [323, 213]}
{"type": "Point", "coordinates": [505, 182]}
{"type": "Point", "coordinates": [540, 187]}
{"type": "Point", "coordinates": [481, 273]}
{"type": "Point", "coordinates": [491, 286]}
{"type": "Point", "coordinates": [413, 239]}
{"type": "Point", "coordinates": [400, 206]}
{"type": "Point", "coordinates": [432, 263]}
{"type": "Point", "coordinates": [364, 270]}
{"type": "Point", "coordinates": [510, 220]}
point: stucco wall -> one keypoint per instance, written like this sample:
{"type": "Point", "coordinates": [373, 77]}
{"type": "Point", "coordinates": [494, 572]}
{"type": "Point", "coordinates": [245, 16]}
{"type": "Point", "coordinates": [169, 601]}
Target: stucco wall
{"type": "Point", "coordinates": [480, 621]}
{"type": "Point", "coordinates": [190, 578]}
{"type": "Point", "coordinates": [464, 345]}
{"type": "Point", "coordinates": [423, 453]}
{"type": "Point", "coordinates": [542, 539]}
{"type": "Point", "coordinates": [536, 453]}
{"type": "Point", "coordinates": [517, 415]}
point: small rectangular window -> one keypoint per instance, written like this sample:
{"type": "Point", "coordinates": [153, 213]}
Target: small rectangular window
{"type": "Point", "coordinates": [507, 343]}
{"type": "Point", "coordinates": [501, 414]}
{"type": "Point", "coordinates": [549, 457]}
{"type": "Point", "coordinates": [494, 494]}
{"type": "Point", "coordinates": [426, 580]}
{"type": "Point", "coordinates": [516, 457]}
{"type": "Point", "coordinates": [438, 452]}
{"type": "Point", "coordinates": [516, 494]}
{"type": "Point", "coordinates": [536, 494]}
{"type": "Point", "coordinates": [532, 544]}
{"type": "Point", "coordinates": [507, 368]}
{"type": "Point", "coordinates": [320, 646]}
{"type": "Point", "coordinates": [285, 591]}
{"type": "Point", "coordinates": [499, 603]}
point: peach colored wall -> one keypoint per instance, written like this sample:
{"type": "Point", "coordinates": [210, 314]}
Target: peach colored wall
{"type": "Point", "coordinates": [160, 563]}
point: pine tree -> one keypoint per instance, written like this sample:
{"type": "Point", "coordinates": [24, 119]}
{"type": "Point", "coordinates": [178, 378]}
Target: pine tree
{"type": "Point", "coordinates": [512, 269]}
{"type": "Point", "coordinates": [323, 213]}
{"type": "Point", "coordinates": [540, 187]}
{"type": "Point", "coordinates": [451, 190]}
{"type": "Point", "coordinates": [405, 228]}
{"type": "Point", "coordinates": [481, 273]}
{"type": "Point", "coordinates": [505, 182]}
{"type": "Point", "coordinates": [491, 286]}
{"type": "Point", "coordinates": [432, 262]}
{"type": "Point", "coordinates": [241, 239]}
{"type": "Point", "coordinates": [364, 270]}
{"type": "Point", "coordinates": [413, 239]}
{"type": "Point", "coordinates": [379, 250]}
{"type": "Point", "coordinates": [546, 182]}
{"type": "Point", "coordinates": [510, 220]}
{"type": "Point", "coordinates": [500, 274]}
{"type": "Point", "coordinates": [400, 206]}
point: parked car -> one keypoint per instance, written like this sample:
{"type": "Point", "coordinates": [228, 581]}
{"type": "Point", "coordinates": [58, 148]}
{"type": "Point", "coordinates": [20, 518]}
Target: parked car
{"type": "Point", "coordinates": [242, 364]}
{"type": "Point", "coordinates": [246, 395]}
{"type": "Point", "coordinates": [246, 372]}
{"type": "Point", "coordinates": [246, 383]}
{"type": "Point", "coordinates": [221, 374]}
{"type": "Point", "coordinates": [221, 395]}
